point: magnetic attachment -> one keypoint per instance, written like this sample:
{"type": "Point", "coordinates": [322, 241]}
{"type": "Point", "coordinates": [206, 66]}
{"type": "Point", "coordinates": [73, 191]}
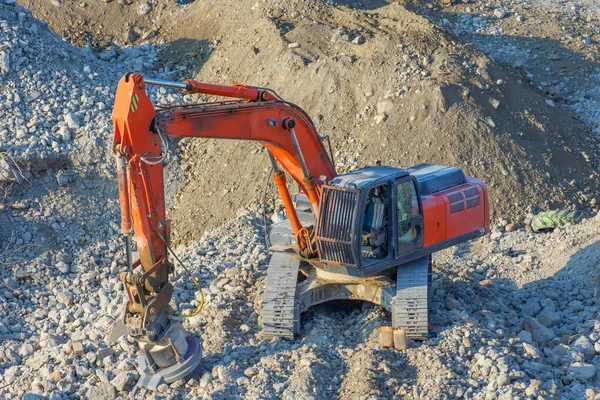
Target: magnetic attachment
{"type": "Point", "coordinates": [167, 362]}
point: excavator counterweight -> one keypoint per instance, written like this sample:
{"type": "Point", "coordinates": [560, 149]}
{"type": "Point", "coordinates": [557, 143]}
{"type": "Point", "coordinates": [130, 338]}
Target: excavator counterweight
{"type": "Point", "coordinates": [365, 235]}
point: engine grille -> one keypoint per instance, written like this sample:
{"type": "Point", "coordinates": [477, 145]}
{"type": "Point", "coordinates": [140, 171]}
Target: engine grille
{"type": "Point", "coordinates": [336, 226]}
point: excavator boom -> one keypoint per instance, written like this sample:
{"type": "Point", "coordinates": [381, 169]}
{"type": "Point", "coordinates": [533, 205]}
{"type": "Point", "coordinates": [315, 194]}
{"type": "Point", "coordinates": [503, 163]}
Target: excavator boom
{"type": "Point", "coordinates": [141, 142]}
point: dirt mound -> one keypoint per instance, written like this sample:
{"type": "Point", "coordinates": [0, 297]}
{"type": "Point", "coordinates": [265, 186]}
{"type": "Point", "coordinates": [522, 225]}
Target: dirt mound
{"type": "Point", "coordinates": [442, 102]}
{"type": "Point", "coordinates": [383, 82]}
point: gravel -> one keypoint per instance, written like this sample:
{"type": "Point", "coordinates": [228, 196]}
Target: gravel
{"type": "Point", "coordinates": [60, 113]}
{"type": "Point", "coordinates": [486, 344]}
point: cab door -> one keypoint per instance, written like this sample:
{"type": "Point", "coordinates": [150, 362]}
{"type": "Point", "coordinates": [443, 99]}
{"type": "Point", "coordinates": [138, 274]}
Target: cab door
{"type": "Point", "coordinates": [408, 216]}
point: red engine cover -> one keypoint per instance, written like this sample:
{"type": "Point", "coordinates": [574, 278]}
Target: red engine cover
{"type": "Point", "coordinates": [455, 212]}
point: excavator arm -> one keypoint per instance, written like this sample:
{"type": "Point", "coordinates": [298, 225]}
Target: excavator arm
{"type": "Point", "coordinates": [141, 132]}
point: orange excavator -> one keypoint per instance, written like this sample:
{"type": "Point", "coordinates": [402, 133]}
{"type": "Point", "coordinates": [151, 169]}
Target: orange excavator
{"type": "Point", "coordinates": [364, 235]}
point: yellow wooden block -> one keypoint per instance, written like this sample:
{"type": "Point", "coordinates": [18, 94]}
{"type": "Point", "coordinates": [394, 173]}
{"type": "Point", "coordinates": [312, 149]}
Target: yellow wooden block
{"type": "Point", "coordinates": [386, 339]}
{"type": "Point", "coordinates": [400, 340]}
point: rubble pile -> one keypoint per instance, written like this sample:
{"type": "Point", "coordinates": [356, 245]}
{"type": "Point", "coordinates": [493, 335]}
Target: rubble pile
{"type": "Point", "coordinates": [513, 314]}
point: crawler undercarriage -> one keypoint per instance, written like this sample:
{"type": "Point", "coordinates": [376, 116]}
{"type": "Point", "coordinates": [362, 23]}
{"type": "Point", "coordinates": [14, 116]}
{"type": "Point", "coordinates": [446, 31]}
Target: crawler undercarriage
{"type": "Point", "coordinates": [293, 286]}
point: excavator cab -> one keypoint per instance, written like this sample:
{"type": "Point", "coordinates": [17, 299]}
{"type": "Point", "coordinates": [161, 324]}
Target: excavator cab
{"type": "Point", "coordinates": [377, 217]}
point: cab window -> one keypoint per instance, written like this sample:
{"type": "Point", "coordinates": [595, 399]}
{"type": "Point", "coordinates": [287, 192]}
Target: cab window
{"type": "Point", "coordinates": [408, 208]}
{"type": "Point", "coordinates": [374, 228]}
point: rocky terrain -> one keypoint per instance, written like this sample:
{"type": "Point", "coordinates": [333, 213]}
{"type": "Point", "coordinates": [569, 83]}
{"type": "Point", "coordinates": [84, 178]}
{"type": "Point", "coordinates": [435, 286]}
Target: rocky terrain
{"type": "Point", "coordinates": [559, 56]}
{"type": "Point", "coordinates": [514, 314]}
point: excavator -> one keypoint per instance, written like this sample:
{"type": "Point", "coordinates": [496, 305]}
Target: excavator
{"type": "Point", "coordinates": [364, 235]}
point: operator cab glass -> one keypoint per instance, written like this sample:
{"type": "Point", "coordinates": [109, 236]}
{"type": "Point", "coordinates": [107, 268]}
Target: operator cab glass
{"type": "Point", "coordinates": [408, 207]}
{"type": "Point", "coordinates": [392, 223]}
{"type": "Point", "coordinates": [409, 217]}
{"type": "Point", "coordinates": [374, 232]}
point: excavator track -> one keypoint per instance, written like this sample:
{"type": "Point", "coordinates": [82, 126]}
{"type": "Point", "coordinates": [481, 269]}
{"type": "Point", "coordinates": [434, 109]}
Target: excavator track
{"type": "Point", "coordinates": [410, 309]}
{"type": "Point", "coordinates": [281, 308]}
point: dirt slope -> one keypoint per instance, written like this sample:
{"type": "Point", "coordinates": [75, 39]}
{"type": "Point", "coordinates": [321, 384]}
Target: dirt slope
{"type": "Point", "coordinates": [442, 101]}
{"type": "Point", "coordinates": [441, 111]}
